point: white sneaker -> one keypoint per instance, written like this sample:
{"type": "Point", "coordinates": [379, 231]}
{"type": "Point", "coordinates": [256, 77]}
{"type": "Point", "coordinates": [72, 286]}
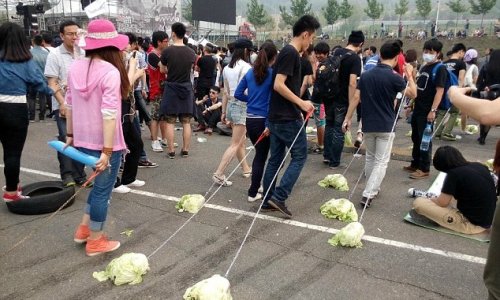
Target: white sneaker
{"type": "Point", "coordinates": [221, 180]}
{"type": "Point", "coordinates": [121, 189]}
{"type": "Point", "coordinates": [136, 183]}
{"type": "Point", "coordinates": [261, 189]}
{"type": "Point", "coordinates": [156, 146]}
{"type": "Point", "coordinates": [253, 199]}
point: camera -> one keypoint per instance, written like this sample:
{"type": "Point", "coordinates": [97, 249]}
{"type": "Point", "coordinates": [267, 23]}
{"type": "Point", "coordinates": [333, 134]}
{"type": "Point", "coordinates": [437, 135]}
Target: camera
{"type": "Point", "coordinates": [492, 93]}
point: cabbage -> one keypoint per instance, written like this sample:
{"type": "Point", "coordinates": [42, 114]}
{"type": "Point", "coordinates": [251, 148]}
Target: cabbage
{"type": "Point", "coordinates": [489, 164]}
{"type": "Point", "coordinates": [341, 209]}
{"type": "Point", "coordinates": [472, 129]}
{"type": "Point", "coordinates": [309, 129]}
{"type": "Point", "coordinates": [213, 288]}
{"type": "Point", "coordinates": [336, 181]}
{"type": "Point", "coordinates": [127, 268]}
{"type": "Point", "coordinates": [190, 203]}
{"type": "Point", "coordinates": [348, 139]}
{"type": "Point", "coordinates": [349, 236]}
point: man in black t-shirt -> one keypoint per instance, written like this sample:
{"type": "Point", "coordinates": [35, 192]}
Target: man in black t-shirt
{"type": "Point", "coordinates": [286, 120]}
{"type": "Point", "coordinates": [178, 98]}
{"type": "Point", "coordinates": [456, 65]}
{"type": "Point", "coordinates": [473, 188]}
{"type": "Point", "coordinates": [349, 71]}
{"type": "Point", "coordinates": [206, 67]}
{"type": "Point", "coordinates": [429, 95]}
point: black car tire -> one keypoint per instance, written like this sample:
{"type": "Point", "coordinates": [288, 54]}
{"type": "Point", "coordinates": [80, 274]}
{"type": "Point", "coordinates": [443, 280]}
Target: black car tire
{"type": "Point", "coordinates": [45, 197]}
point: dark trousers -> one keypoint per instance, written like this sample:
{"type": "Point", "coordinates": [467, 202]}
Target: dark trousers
{"type": "Point", "coordinates": [420, 159]}
{"type": "Point", "coordinates": [212, 117]}
{"type": "Point", "coordinates": [334, 136]}
{"type": "Point", "coordinates": [140, 105]}
{"type": "Point", "coordinates": [68, 168]}
{"type": "Point", "coordinates": [42, 98]}
{"type": "Point", "coordinates": [13, 132]}
{"type": "Point", "coordinates": [255, 127]}
{"type": "Point", "coordinates": [134, 145]}
{"type": "Point", "coordinates": [491, 270]}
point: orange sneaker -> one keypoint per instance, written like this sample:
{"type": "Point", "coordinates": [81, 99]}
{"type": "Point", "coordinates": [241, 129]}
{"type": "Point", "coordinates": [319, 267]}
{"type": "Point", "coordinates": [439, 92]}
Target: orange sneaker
{"type": "Point", "coordinates": [100, 246]}
{"type": "Point", "coordinates": [81, 234]}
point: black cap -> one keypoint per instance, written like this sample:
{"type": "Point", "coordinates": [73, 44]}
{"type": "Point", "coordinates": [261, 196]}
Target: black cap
{"type": "Point", "coordinates": [243, 43]}
{"type": "Point", "coordinates": [356, 37]}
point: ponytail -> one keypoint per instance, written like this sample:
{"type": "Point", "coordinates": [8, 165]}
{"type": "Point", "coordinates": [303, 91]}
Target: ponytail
{"type": "Point", "coordinates": [266, 54]}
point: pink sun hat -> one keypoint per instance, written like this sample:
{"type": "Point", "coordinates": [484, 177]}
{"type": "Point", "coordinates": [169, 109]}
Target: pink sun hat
{"type": "Point", "coordinates": [102, 33]}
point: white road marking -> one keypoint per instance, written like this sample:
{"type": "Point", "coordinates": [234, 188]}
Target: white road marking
{"type": "Point", "coordinates": [374, 239]}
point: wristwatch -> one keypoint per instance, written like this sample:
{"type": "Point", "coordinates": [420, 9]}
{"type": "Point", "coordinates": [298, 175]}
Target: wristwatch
{"type": "Point", "coordinates": [434, 110]}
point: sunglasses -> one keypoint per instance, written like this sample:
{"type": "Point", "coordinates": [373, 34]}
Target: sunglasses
{"type": "Point", "coordinates": [213, 92]}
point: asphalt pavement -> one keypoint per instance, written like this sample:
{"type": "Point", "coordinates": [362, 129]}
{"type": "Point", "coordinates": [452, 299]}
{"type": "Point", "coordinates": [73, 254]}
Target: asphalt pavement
{"type": "Point", "coordinates": [282, 259]}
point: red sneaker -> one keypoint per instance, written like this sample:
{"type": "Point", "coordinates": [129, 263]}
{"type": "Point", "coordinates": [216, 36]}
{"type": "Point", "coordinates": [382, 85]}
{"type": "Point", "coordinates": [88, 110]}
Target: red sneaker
{"type": "Point", "coordinates": [100, 246]}
{"type": "Point", "coordinates": [14, 197]}
{"type": "Point", "coordinates": [81, 234]}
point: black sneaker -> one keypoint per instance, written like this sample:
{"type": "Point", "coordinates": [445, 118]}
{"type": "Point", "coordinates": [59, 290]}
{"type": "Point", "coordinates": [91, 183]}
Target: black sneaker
{"type": "Point", "coordinates": [184, 153]}
{"type": "Point", "coordinates": [365, 201]}
{"type": "Point", "coordinates": [280, 207]}
{"type": "Point", "coordinates": [171, 155]}
{"type": "Point", "coordinates": [267, 207]}
{"type": "Point", "coordinates": [147, 164]}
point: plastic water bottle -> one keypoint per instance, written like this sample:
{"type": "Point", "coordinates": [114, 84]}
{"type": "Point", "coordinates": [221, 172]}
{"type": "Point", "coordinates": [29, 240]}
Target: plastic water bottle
{"type": "Point", "coordinates": [426, 138]}
{"type": "Point", "coordinates": [412, 192]}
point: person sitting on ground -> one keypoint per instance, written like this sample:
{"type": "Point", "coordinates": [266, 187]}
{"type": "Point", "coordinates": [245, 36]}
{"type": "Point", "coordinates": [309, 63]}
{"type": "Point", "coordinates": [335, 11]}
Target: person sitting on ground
{"type": "Point", "coordinates": [209, 109]}
{"type": "Point", "coordinates": [470, 184]}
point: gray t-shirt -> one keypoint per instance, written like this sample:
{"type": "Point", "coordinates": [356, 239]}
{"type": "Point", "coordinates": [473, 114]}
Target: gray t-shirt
{"type": "Point", "coordinates": [58, 63]}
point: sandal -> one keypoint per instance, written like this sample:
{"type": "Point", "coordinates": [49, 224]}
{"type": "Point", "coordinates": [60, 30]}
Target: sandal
{"type": "Point", "coordinates": [247, 174]}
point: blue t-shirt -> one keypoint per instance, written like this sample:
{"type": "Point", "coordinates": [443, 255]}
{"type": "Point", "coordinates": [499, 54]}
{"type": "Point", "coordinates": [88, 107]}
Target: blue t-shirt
{"type": "Point", "coordinates": [378, 89]}
{"type": "Point", "coordinates": [371, 63]}
{"type": "Point", "coordinates": [258, 96]}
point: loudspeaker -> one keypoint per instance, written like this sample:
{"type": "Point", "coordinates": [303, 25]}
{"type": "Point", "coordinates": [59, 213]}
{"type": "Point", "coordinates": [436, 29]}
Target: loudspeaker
{"type": "Point", "coordinates": [216, 11]}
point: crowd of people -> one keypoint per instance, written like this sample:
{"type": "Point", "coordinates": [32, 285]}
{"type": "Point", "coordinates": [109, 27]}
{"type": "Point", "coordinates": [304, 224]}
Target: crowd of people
{"type": "Point", "coordinates": [99, 85]}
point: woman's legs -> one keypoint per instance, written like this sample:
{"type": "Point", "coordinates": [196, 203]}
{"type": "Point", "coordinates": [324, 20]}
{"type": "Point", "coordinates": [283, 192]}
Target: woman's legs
{"type": "Point", "coordinates": [13, 132]}
{"type": "Point", "coordinates": [237, 147]}
{"type": "Point", "coordinates": [255, 128]}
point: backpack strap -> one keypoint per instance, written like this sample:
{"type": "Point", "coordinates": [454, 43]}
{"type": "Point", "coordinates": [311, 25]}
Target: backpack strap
{"type": "Point", "coordinates": [434, 71]}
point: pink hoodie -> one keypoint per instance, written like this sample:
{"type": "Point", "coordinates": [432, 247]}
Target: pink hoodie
{"type": "Point", "coordinates": [90, 93]}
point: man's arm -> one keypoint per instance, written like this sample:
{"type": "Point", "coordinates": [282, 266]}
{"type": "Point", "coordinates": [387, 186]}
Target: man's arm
{"type": "Point", "coordinates": [461, 78]}
{"type": "Point", "coordinates": [58, 94]}
{"type": "Point", "coordinates": [350, 110]}
{"type": "Point", "coordinates": [437, 99]}
{"type": "Point", "coordinates": [281, 88]}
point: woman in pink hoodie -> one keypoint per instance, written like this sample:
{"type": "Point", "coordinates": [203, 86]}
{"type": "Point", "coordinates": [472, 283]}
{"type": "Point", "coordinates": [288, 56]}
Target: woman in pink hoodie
{"type": "Point", "coordinates": [96, 86]}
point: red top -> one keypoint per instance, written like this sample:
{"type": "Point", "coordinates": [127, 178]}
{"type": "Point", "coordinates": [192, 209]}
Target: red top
{"type": "Point", "coordinates": [155, 76]}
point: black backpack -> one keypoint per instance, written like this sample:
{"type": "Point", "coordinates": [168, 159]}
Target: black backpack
{"type": "Point", "coordinates": [327, 85]}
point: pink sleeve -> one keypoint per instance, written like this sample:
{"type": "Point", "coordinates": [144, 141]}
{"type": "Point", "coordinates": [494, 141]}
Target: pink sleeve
{"type": "Point", "coordinates": [111, 95]}
{"type": "Point", "coordinates": [67, 96]}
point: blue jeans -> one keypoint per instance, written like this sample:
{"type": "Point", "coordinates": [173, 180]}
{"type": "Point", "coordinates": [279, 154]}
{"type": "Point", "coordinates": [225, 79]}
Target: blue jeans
{"type": "Point", "coordinates": [282, 136]}
{"type": "Point", "coordinates": [334, 137]}
{"type": "Point", "coordinates": [100, 195]}
{"type": "Point", "coordinates": [68, 168]}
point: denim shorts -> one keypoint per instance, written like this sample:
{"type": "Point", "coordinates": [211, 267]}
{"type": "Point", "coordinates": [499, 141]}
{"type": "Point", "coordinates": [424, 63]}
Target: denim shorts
{"type": "Point", "coordinates": [236, 112]}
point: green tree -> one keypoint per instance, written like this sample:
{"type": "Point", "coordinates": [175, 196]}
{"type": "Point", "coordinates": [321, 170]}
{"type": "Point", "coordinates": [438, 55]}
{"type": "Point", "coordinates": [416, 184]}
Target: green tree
{"type": "Point", "coordinates": [345, 12]}
{"type": "Point", "coordinates": [374, 10]}
{"type": "Point", "coordinates": [457, 7]}
{"type": "Point", "coordinates": [298, 8]}
{"type": "Point", "coordinates": [423, 8]}
{"type": "Point", "coordinates": [401, 8]}
{"type": "Point", "coordinates": [331, 12]}
{"type": "Point", "coordinates": [481, 7]}
{"type": "Point", "coordinates": [256, 14]}
{"type": "Point", "coordinates": [187, 10]}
